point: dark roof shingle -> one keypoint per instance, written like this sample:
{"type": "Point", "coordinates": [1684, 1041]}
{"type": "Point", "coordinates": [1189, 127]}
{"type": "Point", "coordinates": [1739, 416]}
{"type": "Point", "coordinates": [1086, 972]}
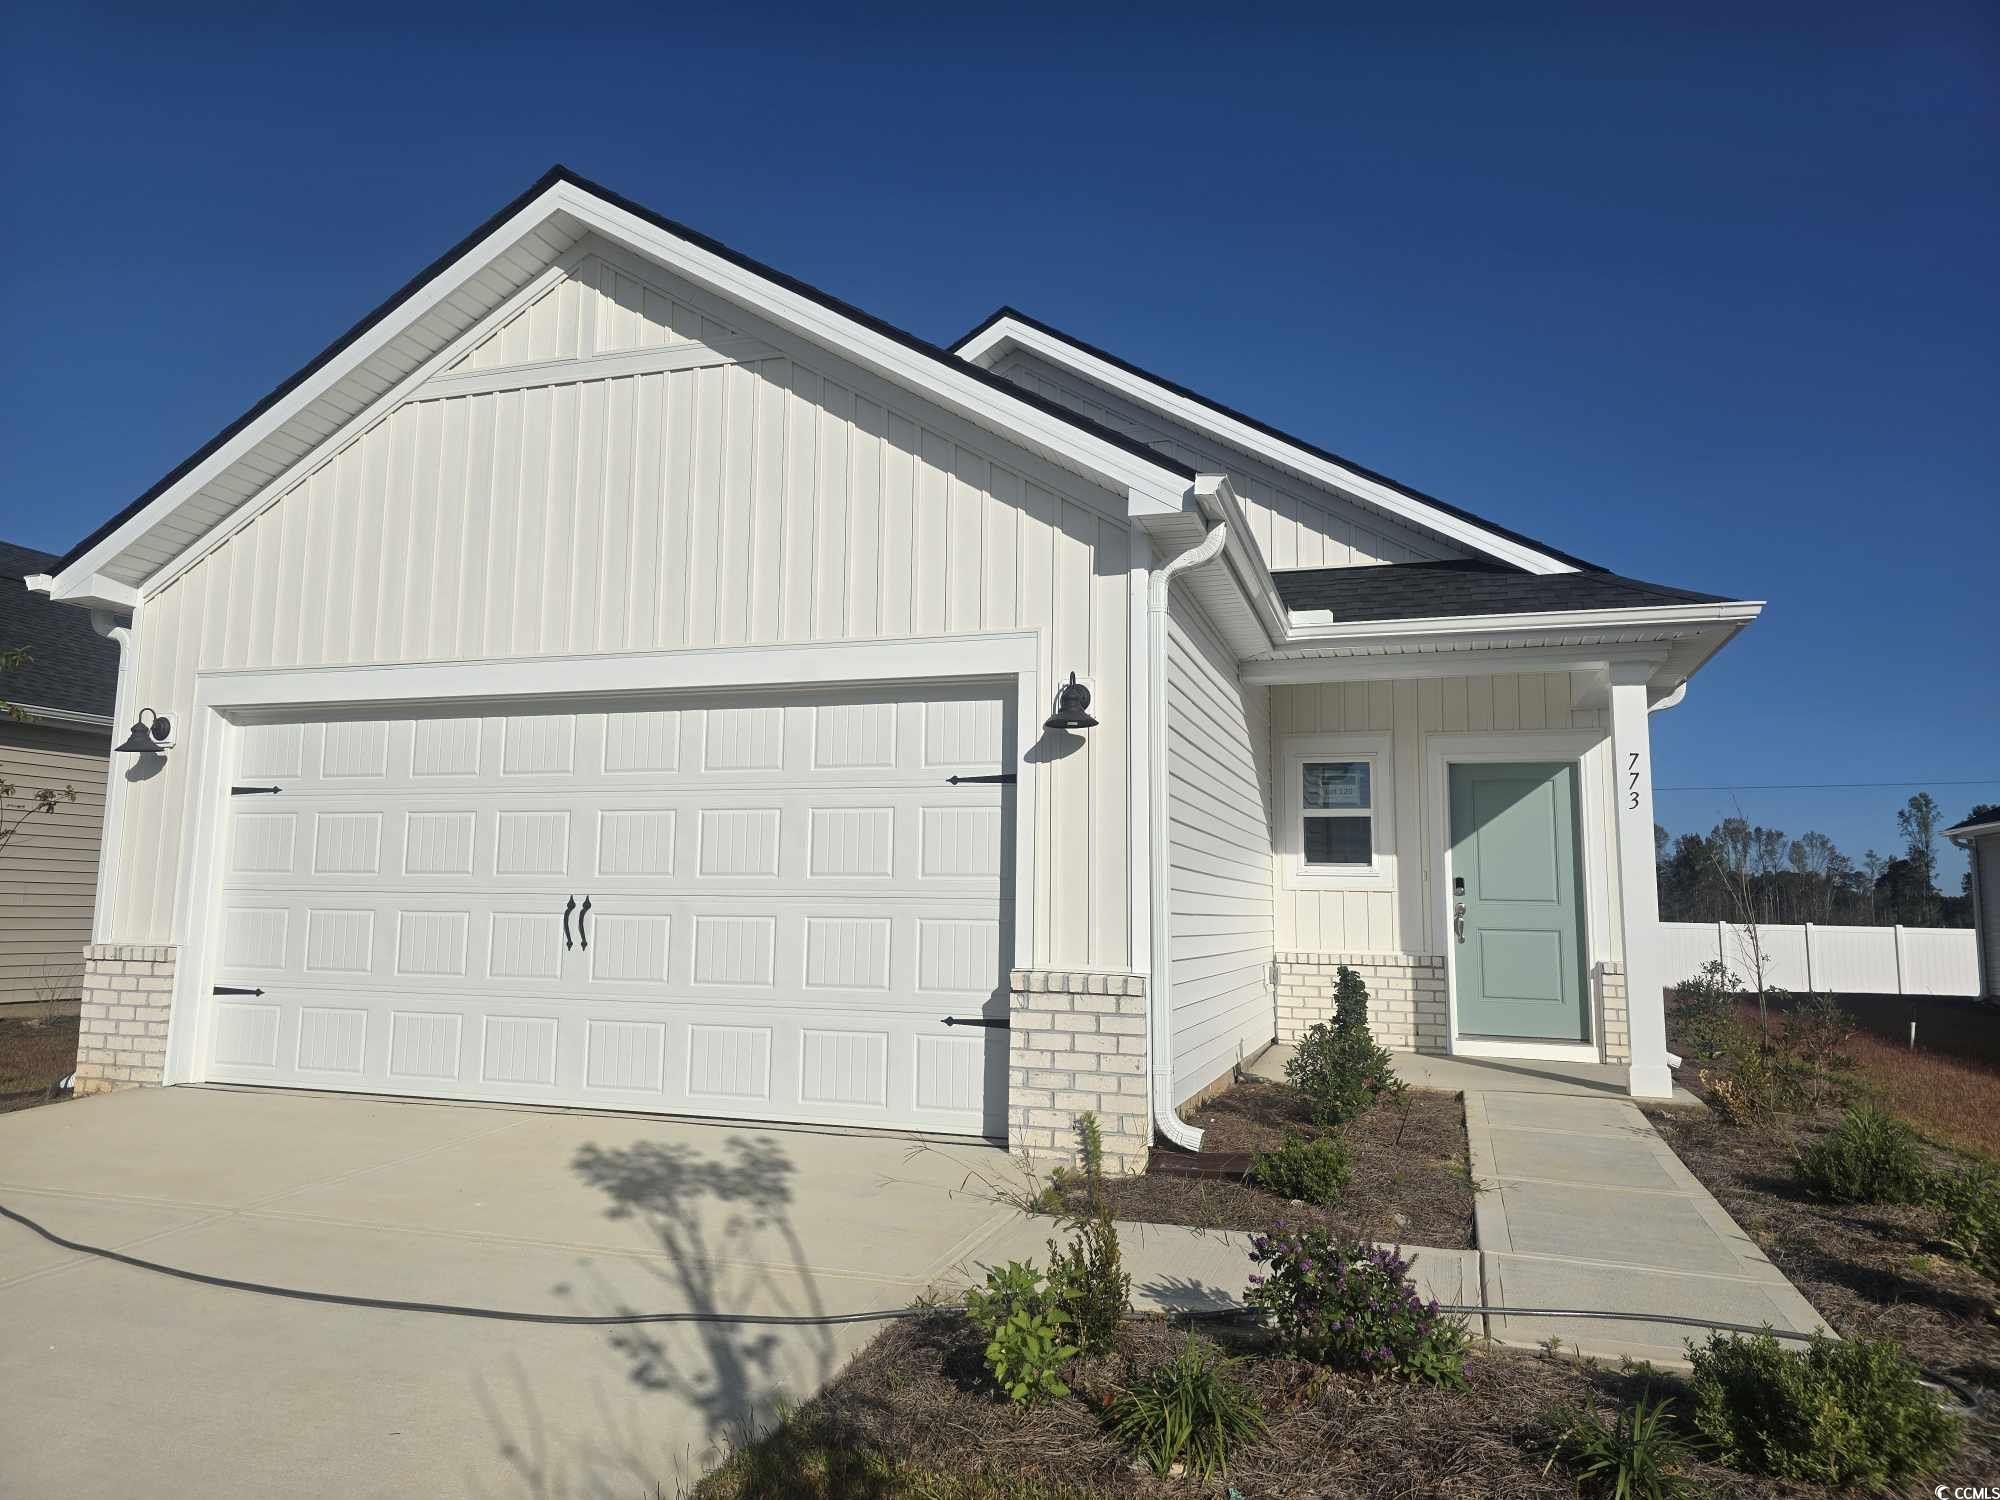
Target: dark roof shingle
{"type": "Point", "coordinates": [70, 666]}
{"type": "Point", "coordinates": [1428, 590]}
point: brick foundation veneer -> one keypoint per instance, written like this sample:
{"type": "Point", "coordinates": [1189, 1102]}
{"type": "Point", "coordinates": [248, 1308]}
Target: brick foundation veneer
{"type": "Point", "coordinates": [1077, 1044]}
{"type": "Point", "coordinates": [1614, 1025]}
{"type": "Point", "coordinates": [121, 1039]}
{"type": "Point", "coordinates": [1407, 1007]}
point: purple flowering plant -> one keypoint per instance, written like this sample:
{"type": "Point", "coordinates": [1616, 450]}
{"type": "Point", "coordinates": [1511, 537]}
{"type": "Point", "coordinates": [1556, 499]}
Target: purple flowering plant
{"type": "Point", "coordinates": [1349, 1305]}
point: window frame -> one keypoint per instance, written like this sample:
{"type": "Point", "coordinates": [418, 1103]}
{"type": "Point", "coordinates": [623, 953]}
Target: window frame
{"type": "Point", "coordinates": [1380, 871]}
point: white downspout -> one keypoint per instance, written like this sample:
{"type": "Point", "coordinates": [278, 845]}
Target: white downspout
{"type": "Point", "coordinates": [106, 624]}
{"type": "Point", "coordinates": [1161, 1034]}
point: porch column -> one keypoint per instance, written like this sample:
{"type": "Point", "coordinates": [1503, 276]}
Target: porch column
{"type": "Point", "coordinates": [1638, 888]}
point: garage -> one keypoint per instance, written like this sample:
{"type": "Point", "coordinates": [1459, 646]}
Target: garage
{"type": "Point", "coordinates": [791, 906]}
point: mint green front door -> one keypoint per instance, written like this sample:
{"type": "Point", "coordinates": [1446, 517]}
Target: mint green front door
{"type": "Point", "coordinates": [1517, 939]}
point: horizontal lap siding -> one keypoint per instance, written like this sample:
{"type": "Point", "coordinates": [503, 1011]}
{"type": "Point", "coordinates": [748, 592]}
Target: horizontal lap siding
{"type": "Point", "coordinates": [1410, 710]}
{"type": "Point", "coordinates": [729, 505]}
{"type": "Point", "coordinates": [1220, 937]}
{"type": "Point", "coordinates": [48, 870]}
{"type": "Point", "coordinates": [1297, 523]}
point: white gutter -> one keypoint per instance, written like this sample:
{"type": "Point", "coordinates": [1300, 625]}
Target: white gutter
{"type": "Point", "coordinates": [1161, 1033]}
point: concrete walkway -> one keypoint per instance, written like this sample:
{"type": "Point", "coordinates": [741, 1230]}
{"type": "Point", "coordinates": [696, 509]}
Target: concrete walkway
{"type": "Point", "coordinates": [1582, 1205]}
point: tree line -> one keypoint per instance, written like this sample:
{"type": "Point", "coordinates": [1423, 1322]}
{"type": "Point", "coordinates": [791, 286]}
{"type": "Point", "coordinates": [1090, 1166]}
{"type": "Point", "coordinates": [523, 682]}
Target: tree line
{"type": "Point", "coordinates": [1742, 872]}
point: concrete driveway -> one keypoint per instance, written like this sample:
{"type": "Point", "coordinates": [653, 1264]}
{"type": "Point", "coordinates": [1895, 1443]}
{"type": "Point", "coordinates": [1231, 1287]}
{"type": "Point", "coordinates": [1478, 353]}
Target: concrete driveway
{"type": "Point", "coordinates": [120, 1381]}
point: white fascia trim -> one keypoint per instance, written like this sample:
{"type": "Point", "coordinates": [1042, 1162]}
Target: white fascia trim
{"type": "Point", "coordinates": [1204, 418]}
{"type": "Point", "coordinates": [1215, 500]}
{"type": "Point", "coordinates": [439, 289]}
{"type": "Point", "coordinates": [1976, 831]}
{"type": "Point", "coordinates": [1154, 488]}
{"type": "Point", "coordinates": [1311, 627]}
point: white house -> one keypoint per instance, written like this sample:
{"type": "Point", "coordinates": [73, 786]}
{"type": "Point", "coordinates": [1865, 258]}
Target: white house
{"type": "Point", "coordinates": [1979, 836]}
{"type": "Point", "coordinates": [615, 673]}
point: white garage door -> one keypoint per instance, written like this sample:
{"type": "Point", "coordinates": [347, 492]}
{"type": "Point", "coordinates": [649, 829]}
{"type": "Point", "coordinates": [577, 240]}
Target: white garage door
{"type": "Point", "coordinates": [766, 910]}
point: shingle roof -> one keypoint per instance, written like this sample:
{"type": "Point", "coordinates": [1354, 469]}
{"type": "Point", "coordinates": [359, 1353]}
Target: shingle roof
{"type": "Point", "coordinates": [1428, 590]}
{"type": "Point", "coordinates": [71, 667]}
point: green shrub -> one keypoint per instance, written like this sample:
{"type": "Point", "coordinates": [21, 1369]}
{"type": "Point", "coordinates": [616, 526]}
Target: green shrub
{"type": "Point", "coordinates": [1026, 1343]}
{"type": "Point", "coordinates": [1310, 1170]}
{"type": "Point", "coordinates": [1815, 1037]}
{"type": "Point", "coordinates": [1837, 1412]}
{"type": "Point", "coordinates": [1349, 1305]}
{"type": "Point", "coordinates": [1971, 1205]}
{"type": "Point", "coordinates": [1088, 1286]}
{"type": "Point", "coordinates": [1635, 1457]}
{"type": "Point", "coordinates": [1190, 1411]}
{"type": "Point", "coordinates": [1869, 1157]}
{"type": "Point", "coordinates": [1338, 1065]}
{"type": "Point", "coordinates": [1704, 1016]}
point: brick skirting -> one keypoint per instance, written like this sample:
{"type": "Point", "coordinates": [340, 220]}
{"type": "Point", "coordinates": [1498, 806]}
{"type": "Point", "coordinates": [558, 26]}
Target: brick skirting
{"type": "Point", "coordinates": [1614, 1023]}
{"type": "Point", "coordinates": [121, 1038]}
{"type": "Point", "coordinates": [1077, 1044]}
{"type": "Point", "coordinates": [1407, 1008]}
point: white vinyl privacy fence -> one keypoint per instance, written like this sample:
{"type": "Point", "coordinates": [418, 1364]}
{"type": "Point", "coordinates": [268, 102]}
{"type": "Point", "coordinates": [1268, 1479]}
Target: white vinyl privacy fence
{"type": "Point", "coordinates": [1843, 960]}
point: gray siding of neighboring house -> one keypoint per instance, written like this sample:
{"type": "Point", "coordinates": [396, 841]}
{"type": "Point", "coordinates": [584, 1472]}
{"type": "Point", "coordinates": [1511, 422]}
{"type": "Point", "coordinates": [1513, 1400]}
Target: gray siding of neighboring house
{"type": "Point", "coordinates": [48, 870]}
{"type": "Point", "coordinates": [1986, 905]}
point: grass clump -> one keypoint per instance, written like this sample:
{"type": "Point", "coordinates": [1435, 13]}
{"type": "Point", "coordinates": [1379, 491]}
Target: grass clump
{"type": "Point", "coordinates": [1310, 1170]}
{"type": "Point", "coordinates": [1835, 1413]}
{"type": "Point", "coordinates": [1191, 1411]}
{"type": "Point", "coordinates": [1635, 1456]}
{"type": "Point", "coordinates": [1869, 1157]}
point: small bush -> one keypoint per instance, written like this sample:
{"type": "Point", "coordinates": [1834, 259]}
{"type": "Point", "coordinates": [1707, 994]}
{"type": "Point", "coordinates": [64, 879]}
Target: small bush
{"type": "Point", "coordinates": [1088, 1286]}
{"type": "Point", "coordinates": [1815, 1038]}
{"type": "Point", "coordinates": [1090, 1142]}
{"type": "Point", "coordinates": [1837, 1412]}
{"type": "Point", "coordinates": [1634, 1457]}
{"type": "Point", "coordinates": [1349, 1305]}
{"type": "Point", "coordinates": [1190, 1411]}
{"type": "Point", "coordinates": [1705, 1021]}
{"type": "Point", "coordinates": [1310, 1170]}
{"type": "Point", "coordinates": [1338, 1065]}
{"type": "Point", "coordinates": [1971, 1205]}
{"type": "Point", "coordinates": [1869, 1157]}
{"type": "Point", "coordinates": [1026, 1346]}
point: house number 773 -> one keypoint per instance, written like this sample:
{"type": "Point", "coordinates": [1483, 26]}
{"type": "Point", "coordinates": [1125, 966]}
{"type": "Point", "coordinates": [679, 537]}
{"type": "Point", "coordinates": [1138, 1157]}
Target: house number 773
{"type": "Point", "coordinates": [1632, 781]}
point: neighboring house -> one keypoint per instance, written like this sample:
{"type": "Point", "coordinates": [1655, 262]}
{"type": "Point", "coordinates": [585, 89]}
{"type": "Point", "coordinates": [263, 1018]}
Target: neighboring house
{"type": "Point", "coordinates": [1979, 836]}
{"type": "Point", "coordinates": [56, 737]}
{"type": "Point", "coordinates": [615, 674]}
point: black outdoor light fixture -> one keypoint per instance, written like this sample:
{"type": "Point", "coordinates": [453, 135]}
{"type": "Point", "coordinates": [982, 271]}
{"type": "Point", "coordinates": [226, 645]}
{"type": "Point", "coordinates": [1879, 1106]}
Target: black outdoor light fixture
{"type": "Point", "coordinates": [1072, 707]}
{"type": "Point", "coordinates": [148, 736]}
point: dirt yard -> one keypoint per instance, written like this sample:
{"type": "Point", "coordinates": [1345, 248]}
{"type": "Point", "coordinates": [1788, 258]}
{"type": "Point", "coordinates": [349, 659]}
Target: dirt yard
{"type": "Point", "coordinates": [33, 1059]}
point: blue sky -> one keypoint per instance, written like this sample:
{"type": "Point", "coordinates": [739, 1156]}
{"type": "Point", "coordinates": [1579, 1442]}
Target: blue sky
{"type": "Point", "coordinates": [1707, 299]}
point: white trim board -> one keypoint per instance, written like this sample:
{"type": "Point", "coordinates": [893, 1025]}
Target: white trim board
{"type": "Point", "coordinates": [225, 700]}
{"type": "Point", "coordinates": [1588, 750]}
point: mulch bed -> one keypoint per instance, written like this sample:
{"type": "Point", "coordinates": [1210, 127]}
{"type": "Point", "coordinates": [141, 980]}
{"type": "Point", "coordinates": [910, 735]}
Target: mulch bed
{"type": "Point", "coordinates": [914, 1411]}
{"type": "Point", "coordinates": [1412, 1182]}
{"type": "Point", "coordinates": [33, 1059]}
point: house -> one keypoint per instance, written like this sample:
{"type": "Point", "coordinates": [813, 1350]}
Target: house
{"type": "Point", "coordinates": [1979, 836]}
{"type": "Point", "coordinates": [616, 673]}
{"type": "Point", "coordinates": [55, 736]}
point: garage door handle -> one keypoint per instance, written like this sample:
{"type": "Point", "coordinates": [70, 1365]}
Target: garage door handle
{"type": "Point", "coordinates": [567, 942]}
{"type": "Point", "coordinates": [582, 931]}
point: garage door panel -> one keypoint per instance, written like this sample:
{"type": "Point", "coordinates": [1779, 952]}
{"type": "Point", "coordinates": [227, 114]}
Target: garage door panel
{"type": "Point", "coordinates": [785, 903]}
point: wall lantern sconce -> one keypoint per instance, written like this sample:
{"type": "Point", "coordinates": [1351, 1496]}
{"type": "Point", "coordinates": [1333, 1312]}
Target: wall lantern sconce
{"type": "Point", "coordinates": [148, 736]}
{"type": "Point", "coordinates": [1072, 707]}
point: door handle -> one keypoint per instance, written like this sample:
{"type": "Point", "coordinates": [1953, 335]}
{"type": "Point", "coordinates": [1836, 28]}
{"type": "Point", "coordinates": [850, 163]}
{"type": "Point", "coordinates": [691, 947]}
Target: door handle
{"type": "Point", "coordinates": [582, 931]}
{"type": "Point", "coordinates": [567, 943]}
{"type": "Point", "coordinates": [1458, 919]}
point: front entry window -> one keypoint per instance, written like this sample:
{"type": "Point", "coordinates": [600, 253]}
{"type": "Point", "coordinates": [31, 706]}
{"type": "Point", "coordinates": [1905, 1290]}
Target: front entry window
{"type": "Point", "coordinates": [1339, 823]}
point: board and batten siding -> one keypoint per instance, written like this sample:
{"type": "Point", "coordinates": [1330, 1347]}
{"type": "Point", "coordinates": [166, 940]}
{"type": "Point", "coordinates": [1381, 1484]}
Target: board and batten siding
{"type": "Point", "coordinates": [48, 870]}
{"type": "Point", "coordinates": [1986, 870]}
{"type": "Point", "coordinates": [1298, 524]}
{"type": "Point", "coordinates": [769, 501]}
{"type": "Point", "coordinates": [1220, 932]}
{"type": "Point", "coordinates": [1398, 920]}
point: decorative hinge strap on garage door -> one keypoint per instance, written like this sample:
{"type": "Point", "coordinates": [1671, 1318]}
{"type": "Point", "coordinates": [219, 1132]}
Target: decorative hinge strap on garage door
{"type": "Point", "coordinates": [253, 791]}
{"type": "Point", "coordinates": [1006, 776]}
{"type": "Point", "coordinates": [978, 1021]}
{"type": "Point", "coordinates": [233, 989]}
